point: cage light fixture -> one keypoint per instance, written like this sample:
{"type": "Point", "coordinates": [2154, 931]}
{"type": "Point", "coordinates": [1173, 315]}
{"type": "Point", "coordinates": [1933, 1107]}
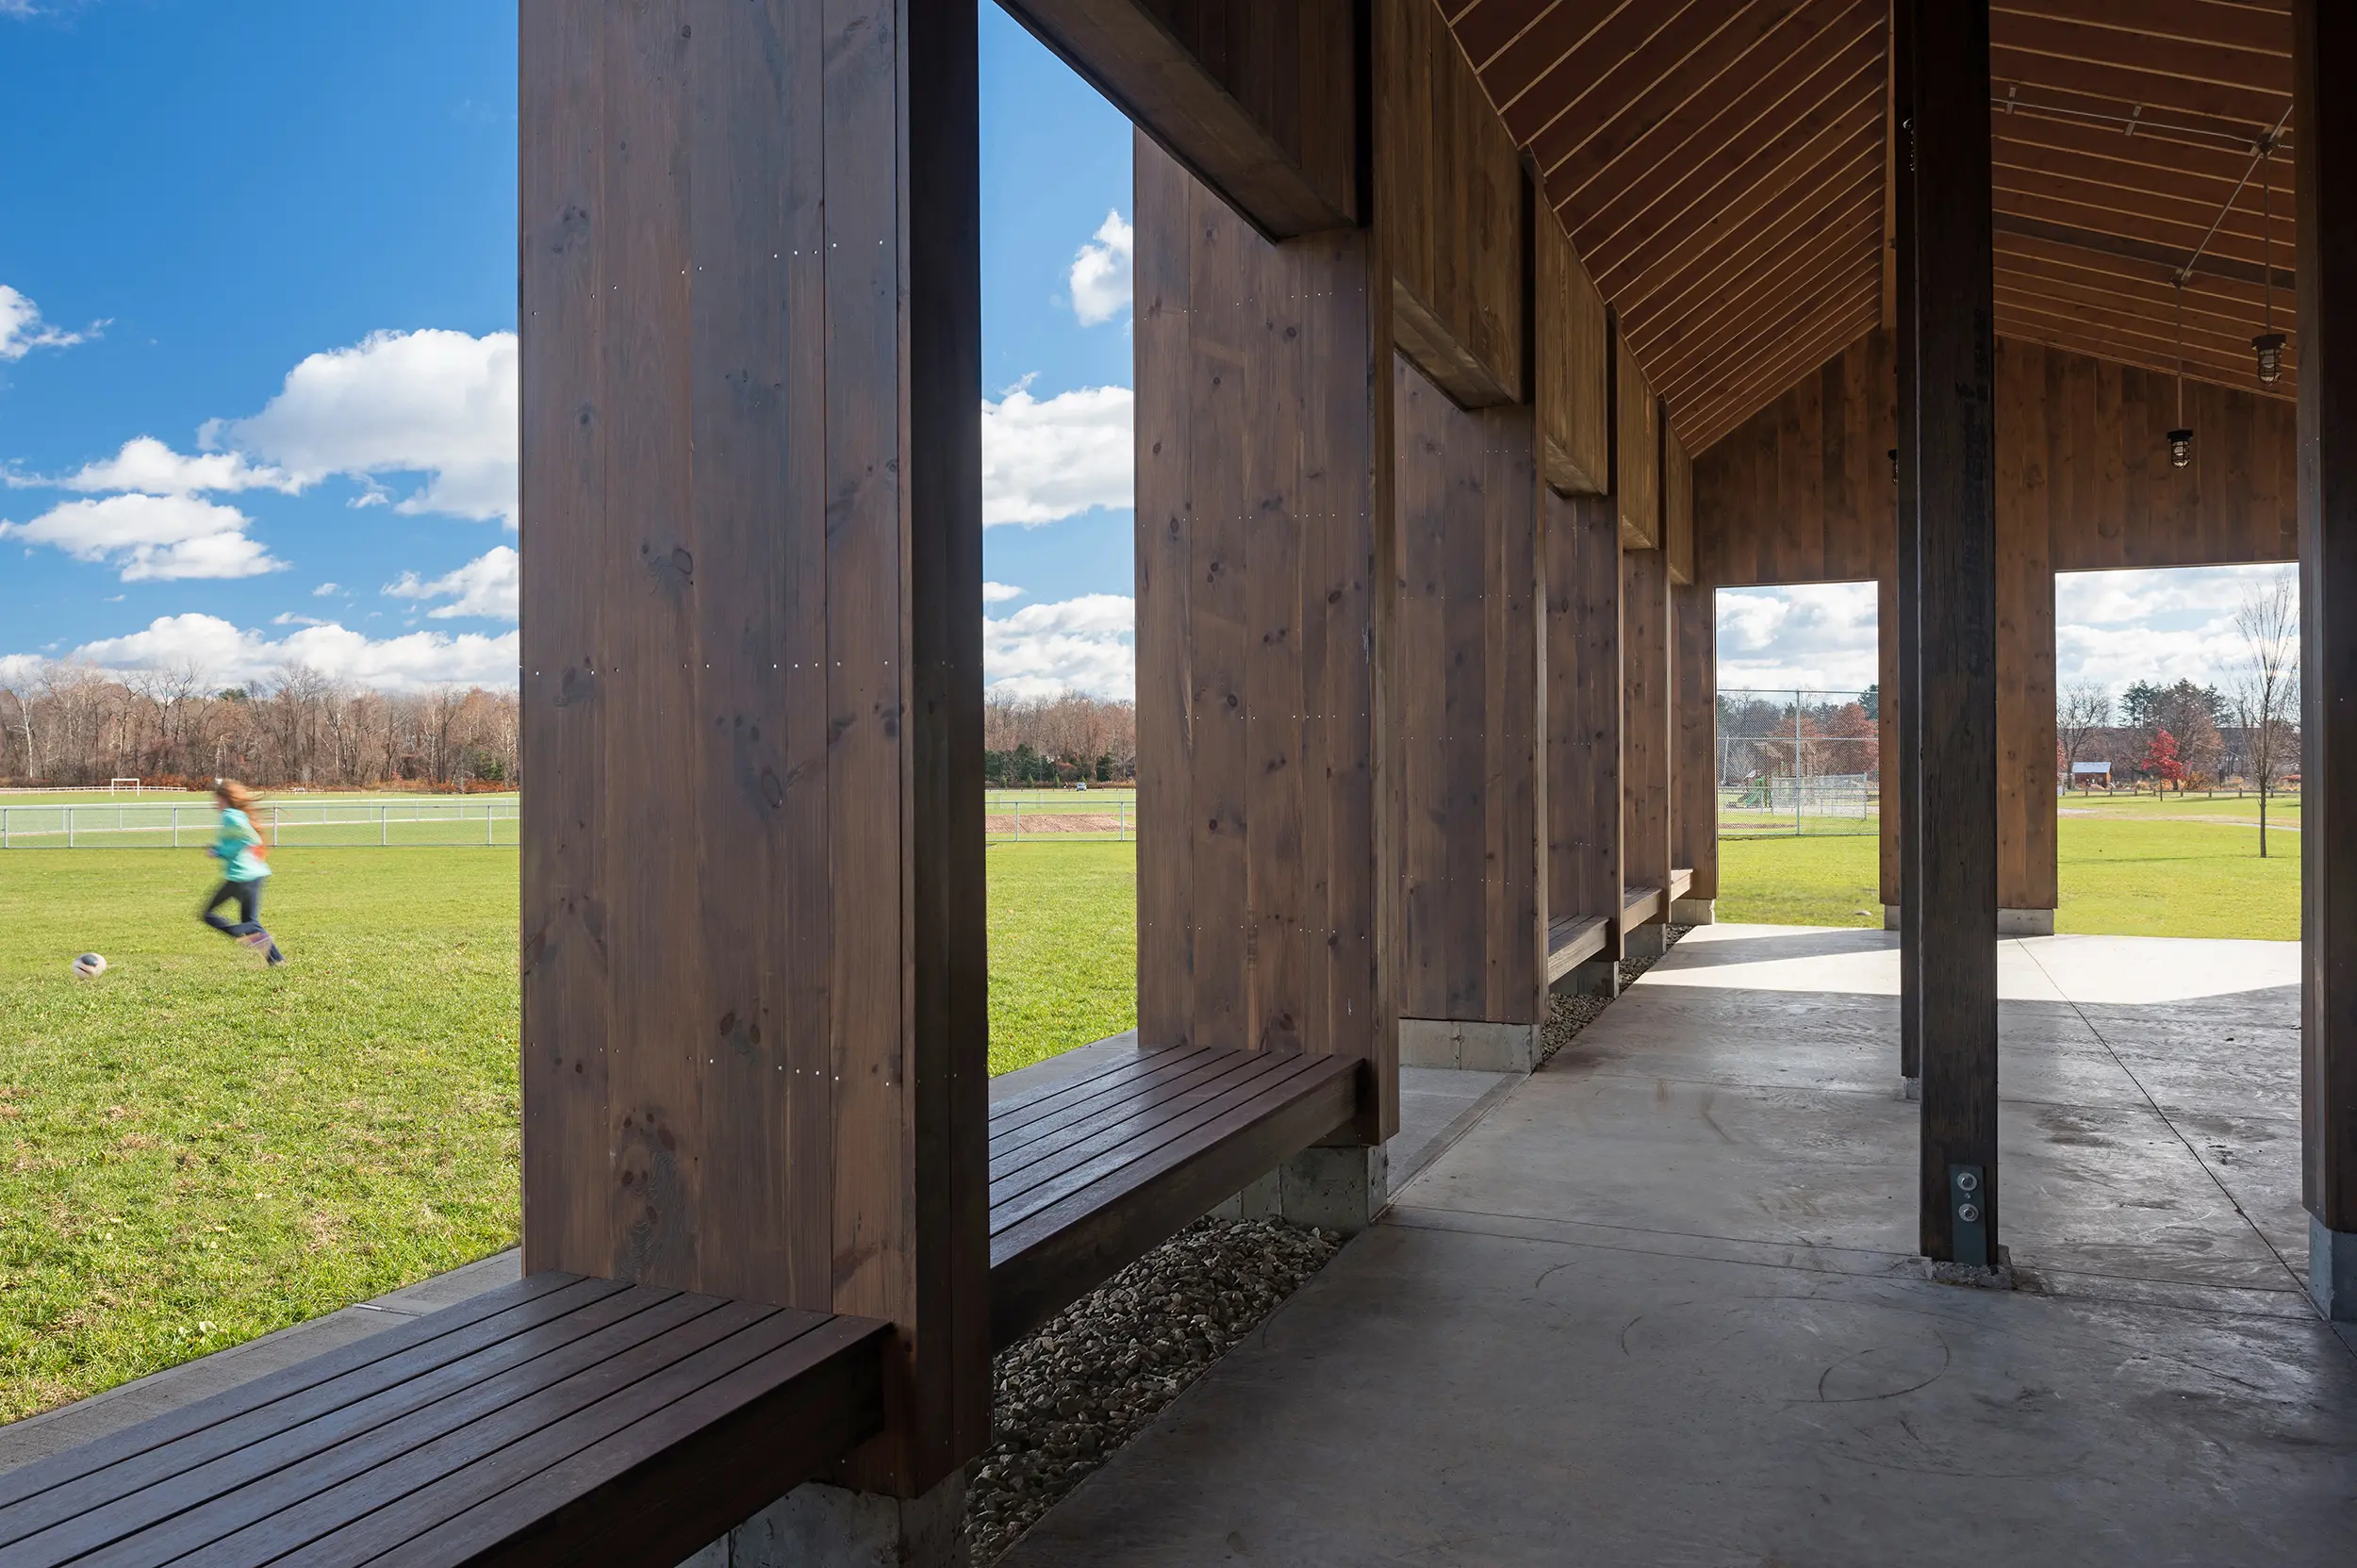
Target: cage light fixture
{"type": "Point", "coordinates": [2269, 345]}
{"type": "Point", "coordinates": [2181, 439]}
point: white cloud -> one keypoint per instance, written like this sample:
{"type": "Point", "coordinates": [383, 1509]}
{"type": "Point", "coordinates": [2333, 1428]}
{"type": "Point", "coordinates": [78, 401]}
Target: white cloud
{"type": "Point", "coordinates": [1072, 453]}
{"type": "Point", "coordinates": [149, 467]}
{"type": "Point", "coordinates": [485, 586]}
{"type": "Point", "coordinates": [150, 536]}
{"type": "Point", "coordinates": [1086, 644]}
{"type": "Point", "coordinates": [326, 590]}
{"type": "Point", "coordinates": [22, 330]}
{"type": "Point", "coordinates": [999, 593]}
{"type": "Point", "coordinates": [229, 655]}
{"type": "Point", "coordinates": [1100, 272]}
{"type": "Point", "coordinates": [287, 617]}
{"type": "Point", "coordinates": [1811, 637]}
{"type": "Point", "coordinates": [439, 402]}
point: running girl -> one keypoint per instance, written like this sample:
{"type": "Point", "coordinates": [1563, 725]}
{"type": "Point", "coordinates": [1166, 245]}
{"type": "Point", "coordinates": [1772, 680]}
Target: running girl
{"type": "Point", "coordinates": [241, 854]}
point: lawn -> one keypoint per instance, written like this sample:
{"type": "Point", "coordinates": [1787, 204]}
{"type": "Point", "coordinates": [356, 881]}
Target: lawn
{"type": "Point", "coordinates": [2145, 875]}
{"type": "Point", "coordinates": [195, 1150]}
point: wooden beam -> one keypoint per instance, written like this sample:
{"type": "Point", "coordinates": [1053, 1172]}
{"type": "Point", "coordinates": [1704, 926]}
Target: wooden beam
{"type": "Point", "coordinates": [2325, 37]}
{"type": "Point", "coordinates": [1951, 681]}
{"type": "Point", "coordinates": [2210, 61]}
{"type": "Point", "coordinates": [1257, 98]}
{"type": "Point", "coordinates": [1259, 562]}
{"type": "Point", "coordinates": [751, 354]}
{"type": "Point", "coordinates": [2251, 108]}
{"type": "Point", "coordinates": [2029, 226]}
{"type": "Point", "coordinates": [2260, 30]}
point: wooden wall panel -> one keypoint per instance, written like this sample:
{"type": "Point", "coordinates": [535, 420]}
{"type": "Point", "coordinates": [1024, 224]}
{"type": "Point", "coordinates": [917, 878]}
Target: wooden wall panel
{"type": "Point", "coordinates": [1467, 707]}
{"type": "Point", "coordinates": [1886, 731]}
{"type": "Point", "coordinates": [751, 636]}
{"type": "Point", "coordinates": [1572, 386]}
{"type": "Point", "coordinates": [1256, 97]}
{"type": "Point", "coordinates": [1635, 449]}
{"type": "Point", "coordinates": [1694, 765]}
{"type": "Point", "coordinates": [1802, 492]}
{"type": "Point", "coordinates": [1255, 591]}
{"type": "Point", "coordinates": [2027, 876]}
{"type": "Point", "coordinates": [1646, 733]}
{"type": "Point", "coordinates": [1449, 197]}
{"type": "Point", "coordinates": [1677, 505]}
{"type": "Point", "coordinates": [1584, 697]}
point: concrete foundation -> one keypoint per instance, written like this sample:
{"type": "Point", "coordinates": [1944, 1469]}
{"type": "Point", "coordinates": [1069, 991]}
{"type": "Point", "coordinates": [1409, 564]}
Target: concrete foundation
{"type": "Point", "coordinates": [2333, 1271]}
{"type": "Point", "coordinates": [2025, 922]}
{"type": "Point", "coordinates": [1599, 977]}
{"type": "Point", "coordinates": [815, 1526]}
{"type": "Point", "coordinates": [1693, 911]}
{"type": "Point", "coordinates": [1338, 1189]}
{"type": "Point", "coordinates": [1263, 1199]}
{"type": "Point", "coordinates": [1890, 918]}
{"type": "Point", "coordinates": [1647, 941]}
{"type": "Point", "coordinates": [1468, 1047]}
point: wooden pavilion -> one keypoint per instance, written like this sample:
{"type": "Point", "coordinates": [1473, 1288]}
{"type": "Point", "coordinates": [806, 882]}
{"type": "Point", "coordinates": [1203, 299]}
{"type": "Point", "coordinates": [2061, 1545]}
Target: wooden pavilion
{"type": "Point", "coordinates": [1477, 343]}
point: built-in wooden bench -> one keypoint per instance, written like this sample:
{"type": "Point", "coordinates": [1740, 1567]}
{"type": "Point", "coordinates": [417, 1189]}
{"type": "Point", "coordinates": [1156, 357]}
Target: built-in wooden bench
{"type": "Point", "coordinates": [557, 1420]}
{"type": "Point", "coordinates": [1087, 1175]}
{"type": "Point", "coordinates": [1681, 883]}
{"type": "Point", "coordinates": [1638, 905]}
{"type": "Point", "coordinates": [1572, 940]}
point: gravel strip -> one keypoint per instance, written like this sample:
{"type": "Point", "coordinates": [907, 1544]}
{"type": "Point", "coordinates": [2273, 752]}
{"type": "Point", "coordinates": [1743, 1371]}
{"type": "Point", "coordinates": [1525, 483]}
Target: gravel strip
{"type": "Point", "coordinates": [1568, 1014]}
{"type": "Point", "coordinates": [1093, 1376]}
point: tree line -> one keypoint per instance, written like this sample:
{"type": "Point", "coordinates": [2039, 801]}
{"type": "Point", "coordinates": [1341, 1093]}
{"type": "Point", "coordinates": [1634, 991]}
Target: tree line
{"type": "Point", "coordinates": [65, 723]}
{"type": "Point", "coordinates": [1062, 740]}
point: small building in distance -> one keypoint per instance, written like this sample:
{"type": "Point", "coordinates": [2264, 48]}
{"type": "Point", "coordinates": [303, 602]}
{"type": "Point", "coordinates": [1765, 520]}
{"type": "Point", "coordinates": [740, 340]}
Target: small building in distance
{"type": "Point", "coordinates": [2091, 775]}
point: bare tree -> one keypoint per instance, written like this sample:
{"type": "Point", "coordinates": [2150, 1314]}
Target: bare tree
{"type": "Point", "coordinates": [2266, 689]}
{"type": "Point", "coordinates": [2085, 709]}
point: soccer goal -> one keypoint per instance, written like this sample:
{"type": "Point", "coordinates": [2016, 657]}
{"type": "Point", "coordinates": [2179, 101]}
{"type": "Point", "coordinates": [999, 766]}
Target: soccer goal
{"type": "Point", "coordinates": [115, 786]}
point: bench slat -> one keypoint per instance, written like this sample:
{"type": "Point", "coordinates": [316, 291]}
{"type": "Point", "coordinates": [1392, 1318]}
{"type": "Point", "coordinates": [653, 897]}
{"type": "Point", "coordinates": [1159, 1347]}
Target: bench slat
{"type": "Point", "coordinates": [1572, 940]}
{"type": "Point", "coordinates": [1044, 1179]}
{"type": "Point", "coordinates": [1010, 1118]}
{"type": "Point", "coordinates": [1180, 1067]}
{"type": "Point", "coordinates": [335, 1377]}
{"type": "Point", "coordinates": [168, 1478]}
{"type": "Point", "coordinates": [1137, 1111]}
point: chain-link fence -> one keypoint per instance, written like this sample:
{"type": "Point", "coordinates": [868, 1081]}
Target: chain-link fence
{"type": "Point", "coordinates": [327, 823]}
{"type": "Point", "coordinates": [1798, 762]}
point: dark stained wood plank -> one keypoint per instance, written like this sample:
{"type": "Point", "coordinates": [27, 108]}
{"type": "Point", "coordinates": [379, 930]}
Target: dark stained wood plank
{"type": "Point", "coordinates": [1573, 359]}
{"type": "Point", "coordinates": [1052, 1256]}
{"type": "Point", "coordinates": [1678, 506]}
{"type": "Point", "coordinates": [1111, 1083]}
{"type": "Point", "coordinates": [1572, 941]}
{"type": "Point", "coordinates": [1952, 681]}
{"type": "Point", "coordinates": [1262, 114]}
{"type": "Point", "coordinates": [1647, 722]}
{"type": "Point", "coordinates": [1695, 767]}
{"type": "Point", "coordinates": [2026, 868]}
{"type": "Point", "coordinates": [1635, 449]}
{"type": "Point", "coordinates": [1185, 1065]}
{"type": "Point", "coordinates": [1017, 1171]}
{"type": "Point", "coordinates": [1582, 540]}
{"type": "Point", "coordinates": [2325, 46]}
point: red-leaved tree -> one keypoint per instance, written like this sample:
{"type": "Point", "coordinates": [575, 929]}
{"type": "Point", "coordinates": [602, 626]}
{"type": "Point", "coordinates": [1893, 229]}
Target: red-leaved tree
{"type": "Point", "coordinates": [2160, 758]}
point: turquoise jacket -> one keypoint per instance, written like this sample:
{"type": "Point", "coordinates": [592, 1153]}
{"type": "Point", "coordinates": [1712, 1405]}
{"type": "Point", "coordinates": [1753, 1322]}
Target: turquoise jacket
{"type": "Point", "coordinates": [235, 848]}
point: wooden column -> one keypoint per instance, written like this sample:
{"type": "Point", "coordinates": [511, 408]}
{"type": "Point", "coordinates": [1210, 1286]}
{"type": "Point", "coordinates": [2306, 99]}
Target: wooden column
{"type": "Point", "coordinates": [1584, 685]}
{"type": "Point", "coordinates": [1647, 726]}
{"type": "Point", "coordinates": [1694, 772]}
{"type": "Point", "coordinates": [1947, 586]}
{"type": "Point", "coordinates": [2324, 47]}
{"type": "Point", "coordinates": [1906, 769]}
{"type": "Point", "coordinates": [1887, 741]}
{"type": "Point", "coordinates": [2028, 884]}
{"type": "Point", "coordinates": [1467, 709]}
{"type": "Point", "coordinates": [754, 1037]}
{"type": "Point", "coordinates": [1258, 561]}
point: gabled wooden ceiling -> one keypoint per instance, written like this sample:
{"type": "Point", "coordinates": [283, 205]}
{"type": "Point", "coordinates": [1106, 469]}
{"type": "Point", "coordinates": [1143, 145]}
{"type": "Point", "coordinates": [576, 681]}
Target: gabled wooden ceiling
{"type": "Point", "coordinates": [1721, 167]}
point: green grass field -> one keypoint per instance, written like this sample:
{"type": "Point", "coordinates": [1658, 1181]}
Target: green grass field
{"type": "Point", "coordinates": [2131, 877]}
{"type": "Point", "coordinates": [1064, 944]}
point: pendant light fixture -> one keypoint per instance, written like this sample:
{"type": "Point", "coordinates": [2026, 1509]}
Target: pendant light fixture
{"type": "Point", "coordinates": [2269, 345]}
{"type": "Point", "coordinates": [2181, 439]}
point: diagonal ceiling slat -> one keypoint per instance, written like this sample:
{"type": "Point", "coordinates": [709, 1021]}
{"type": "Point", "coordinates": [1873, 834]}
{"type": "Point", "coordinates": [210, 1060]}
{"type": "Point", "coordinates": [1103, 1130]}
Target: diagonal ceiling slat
{"type": "Point", "coordinates": [1719, 164]}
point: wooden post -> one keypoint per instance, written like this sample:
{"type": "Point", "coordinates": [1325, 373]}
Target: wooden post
{"type": "Point", "coordinates": [1907, 768]}
{"type": "Point", "coordinates": [1694, 776]}
{"type": "Point", "coordinates": [1258, 558]}
{"type": "Point", "coordinates": [754, 1028]}
{"type": "Point", "coordinates": [1947, 586]}
{"type": "Point", "coordinates": [2028, 881]}
{"type": "Point", "coordinates": [1584, 685]}
{"type": "Point", "coordinates": [1646, 737]}
{"type": "Point", "coordinates": [2324, 50]}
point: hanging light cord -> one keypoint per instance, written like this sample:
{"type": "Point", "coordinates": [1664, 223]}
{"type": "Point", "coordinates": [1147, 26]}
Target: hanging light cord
{"type": "Point", "coordinates": [2181, 352]}
{"type": "Point", "coordinates": [2259, 150]}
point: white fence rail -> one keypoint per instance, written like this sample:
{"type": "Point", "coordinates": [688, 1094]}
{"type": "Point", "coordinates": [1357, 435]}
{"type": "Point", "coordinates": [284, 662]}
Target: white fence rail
{"type": "Point", "coordinates": [1063, 816]}
{"type": "Point", "coordinates": [321, 824]}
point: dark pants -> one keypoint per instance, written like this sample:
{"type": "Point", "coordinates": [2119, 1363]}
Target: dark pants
{"type": "Point", "coordinates": [247, 896]}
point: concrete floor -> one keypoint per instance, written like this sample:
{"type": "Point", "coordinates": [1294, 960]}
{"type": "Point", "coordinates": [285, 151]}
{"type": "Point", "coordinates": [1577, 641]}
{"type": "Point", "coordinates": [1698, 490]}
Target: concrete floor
{"type": "Point", "coordinates": [1659, 1304]}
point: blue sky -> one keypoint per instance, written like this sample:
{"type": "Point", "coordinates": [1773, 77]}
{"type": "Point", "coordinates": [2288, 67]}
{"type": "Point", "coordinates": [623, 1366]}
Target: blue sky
{"type": "Point", "coordinates": [256, 354]}
{"type": "Point", "coordinates": [257, 369]}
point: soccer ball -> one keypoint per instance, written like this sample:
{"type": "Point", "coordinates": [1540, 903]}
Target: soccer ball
{"type": "Point", "coordinates": [90, 966]}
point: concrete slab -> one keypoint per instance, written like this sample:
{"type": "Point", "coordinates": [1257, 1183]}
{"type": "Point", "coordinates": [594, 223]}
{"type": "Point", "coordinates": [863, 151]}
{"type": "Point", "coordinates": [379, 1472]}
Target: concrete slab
{"type": "Point", "coordinates": [1445, 1397]}
{"type": "Point", "coordinates": [1661, 1302]}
